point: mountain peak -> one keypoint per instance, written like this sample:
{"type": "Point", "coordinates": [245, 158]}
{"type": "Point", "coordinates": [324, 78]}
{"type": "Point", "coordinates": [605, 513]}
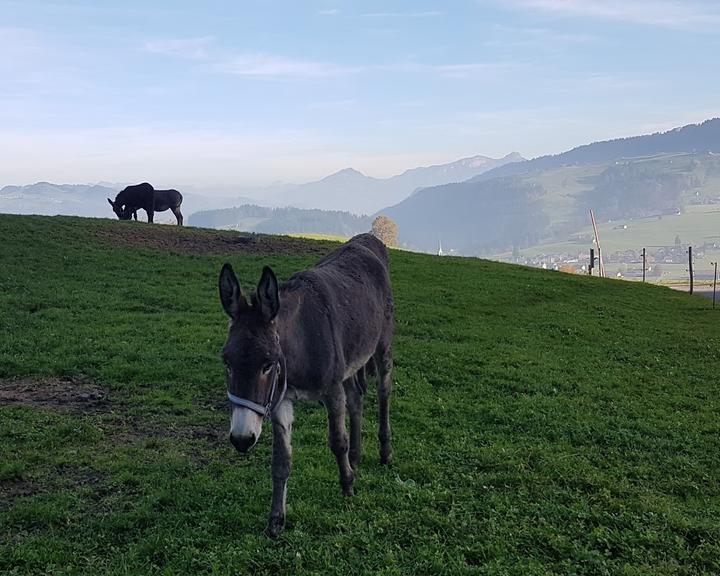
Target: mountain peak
{"type": "Point", "coordinates": [348, 173]}
{"type": "Point", "coordinates": [514, 157]}
{"type": "Point", "coordinates": [344, 177]}
{"type": "Point", "coordinates": [480, 160]}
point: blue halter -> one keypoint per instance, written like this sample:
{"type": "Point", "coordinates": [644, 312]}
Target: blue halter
{"type": "Point", "coordinates": [266, 410]}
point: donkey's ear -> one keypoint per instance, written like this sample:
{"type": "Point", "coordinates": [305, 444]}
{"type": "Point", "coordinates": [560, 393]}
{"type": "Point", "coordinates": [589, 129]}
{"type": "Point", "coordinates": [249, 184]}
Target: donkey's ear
{"type": "Point", "coordinates": [268, 295]}
{"type": "Point", "coordinates": [111, 202]}
{"type": "Point", "coordinates": [231, 295]}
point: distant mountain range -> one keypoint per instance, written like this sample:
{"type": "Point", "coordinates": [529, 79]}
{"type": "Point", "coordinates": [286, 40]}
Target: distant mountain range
{"type": "Point", "coordinates": [53, 199]}
{"type": "Point", "coordinates": [548, 198]}
{"type": "Point", "coordinates": [347, 190]}
{"type": "Point", "coordinates": [351, 191]}
{"type": "Point", "coordinates": [87, 200]}
{"type": "Point", "coordinates": [691, 138]}
{"type": "Point", "coordinates": [475, 206]}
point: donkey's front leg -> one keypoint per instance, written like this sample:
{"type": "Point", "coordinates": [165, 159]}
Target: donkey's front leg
{"type": "Point", "coordinates": [338, 438]}
{"type": "Point", "coordinates": [282, 420]}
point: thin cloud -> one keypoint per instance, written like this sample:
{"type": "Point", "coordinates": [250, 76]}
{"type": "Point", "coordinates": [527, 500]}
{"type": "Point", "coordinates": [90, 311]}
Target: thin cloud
{"type": "Point", "coordinates": [424, 14]}
{"type": "Point", "coordinates": [251, 65]}
{"type": "Point", "coordinates": [270, 66]}
{"type": "Point", "coordinates": [329, 12]}
{"type": "Point", "coordinates": [520, 36]}
{"type": "Point", "coordinates": [333, 105]}
{"type": "Point", "coordinates": [273, 66]}
{"type": "Point", "coordinates": [472, 69]}
{"type": "Point", "coordinates": [188, 48]}
{"type": "Point", "coordinates": [664, 13]}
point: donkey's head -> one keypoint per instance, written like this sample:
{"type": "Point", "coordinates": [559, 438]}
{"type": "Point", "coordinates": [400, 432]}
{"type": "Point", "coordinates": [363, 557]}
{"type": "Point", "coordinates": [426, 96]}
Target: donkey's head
{"type": "Point", "coordinates": [120, 212]}
{"type": "Point", "coordinates": [252, 354]}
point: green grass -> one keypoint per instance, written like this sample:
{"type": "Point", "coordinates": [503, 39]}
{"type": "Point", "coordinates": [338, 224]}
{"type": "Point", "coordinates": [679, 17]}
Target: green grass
{"type": "Point", "coordinates": [543, 423]}
{"type": "Point", "coordinates": [311, 236]}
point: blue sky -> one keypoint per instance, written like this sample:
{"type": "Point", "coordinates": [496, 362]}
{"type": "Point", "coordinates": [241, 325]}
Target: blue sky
{"type": "Point", "coordinates": [223, 94]}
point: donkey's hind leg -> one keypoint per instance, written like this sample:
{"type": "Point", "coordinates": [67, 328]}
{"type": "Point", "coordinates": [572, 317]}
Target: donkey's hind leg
{"type": "Point", "coordinates": [178, 214]}
{"type": "Point", "coordinates": [338, 439]}
{"type": "Point", "coordinates": [353, 401]}
{"type": "Point", "coordinates": [384, 365]}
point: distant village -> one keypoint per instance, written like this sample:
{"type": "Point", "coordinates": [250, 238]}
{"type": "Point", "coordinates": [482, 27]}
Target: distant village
{"type": "Point", "coordinates": [622, 263]}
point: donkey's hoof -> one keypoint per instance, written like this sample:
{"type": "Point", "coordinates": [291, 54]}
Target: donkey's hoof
{"type": "Point", "coordinates": [386, 458]}
{"type": "Point", "coordinates": [354, 465]}
{"type": "Point", "coordinates": [346, 484]}
{"type": "Point", "coordinates": [275, 526]}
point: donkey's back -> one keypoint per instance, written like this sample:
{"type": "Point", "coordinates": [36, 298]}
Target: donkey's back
{"type": "Point", "coordinates": [137, 196]}
{"type": "Point", "coordinates": [359, 269]}
{"type": "Point", "coordinates": [346, 302]}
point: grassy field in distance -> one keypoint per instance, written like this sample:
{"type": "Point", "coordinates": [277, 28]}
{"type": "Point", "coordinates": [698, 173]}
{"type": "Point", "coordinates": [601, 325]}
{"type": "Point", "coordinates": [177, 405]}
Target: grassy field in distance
{"type": "Point", "coordinates": [543, 423]}
{"type": "Point", "coordinates": [330, 237]}
{"type": "Point", "coordinates": [696, 226]}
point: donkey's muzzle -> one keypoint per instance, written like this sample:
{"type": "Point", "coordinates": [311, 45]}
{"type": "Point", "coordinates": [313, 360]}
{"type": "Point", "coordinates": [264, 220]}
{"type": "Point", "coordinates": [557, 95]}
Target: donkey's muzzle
{"type": "Point", "coordinates": [243, 443]}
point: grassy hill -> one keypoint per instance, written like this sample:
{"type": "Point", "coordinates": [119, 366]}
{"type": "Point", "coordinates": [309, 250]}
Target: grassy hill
{"type": "Point", "coordinates": [697, 226]}
{"type": "Point", "coordinates": [543, 423]}
{"type": "Point", "coordinates": [489, 216]}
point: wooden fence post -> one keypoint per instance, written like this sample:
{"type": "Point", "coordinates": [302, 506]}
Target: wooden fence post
{"type": "Point", "coordinates": [690, 268]}
{"type": "Point", "coordinates": [644, 267]}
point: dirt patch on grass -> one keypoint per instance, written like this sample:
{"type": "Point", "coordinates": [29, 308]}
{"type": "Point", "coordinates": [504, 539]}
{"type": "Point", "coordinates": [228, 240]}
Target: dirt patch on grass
{"type": "Point", "coordinates": [199, 241]}
{"type": "Point", "coordinates": [11, 490]}
{"type": "Point", "coordinates": [63, 477]}
{"type": "Point", "coordinates": [71, 394]}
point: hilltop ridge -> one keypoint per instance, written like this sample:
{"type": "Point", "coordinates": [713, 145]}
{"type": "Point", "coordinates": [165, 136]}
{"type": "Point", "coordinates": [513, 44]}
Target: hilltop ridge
{"type": "Point", "coordinates": [547, 199]}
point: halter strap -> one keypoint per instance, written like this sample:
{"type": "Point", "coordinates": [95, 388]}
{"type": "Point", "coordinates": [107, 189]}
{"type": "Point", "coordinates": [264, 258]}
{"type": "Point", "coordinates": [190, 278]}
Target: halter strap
{"type": "Point", "coordinates": [266, 410]}
{"type": "Point", "coordinates": [254, 406]}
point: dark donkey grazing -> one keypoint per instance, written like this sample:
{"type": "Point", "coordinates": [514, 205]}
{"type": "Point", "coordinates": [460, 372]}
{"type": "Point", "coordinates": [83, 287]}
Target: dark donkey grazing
{"type": "Point", "coordinates": [308, 340]}
{"type": "Point", "coordinates": [144, 196]}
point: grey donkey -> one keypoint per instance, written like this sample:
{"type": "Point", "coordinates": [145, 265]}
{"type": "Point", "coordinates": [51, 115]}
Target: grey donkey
{"type": "Point", "coordinates": [310, 340]}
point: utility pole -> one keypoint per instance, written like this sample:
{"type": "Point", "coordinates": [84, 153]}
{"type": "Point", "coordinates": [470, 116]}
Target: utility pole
{"type": "Point", "coordinates": [714, 283]}
{"type": "Point", "coordinates": [597, 242]}
{"type": "Point", "coordinates": [690, 268]}
{"type": "Point", "coordinates": [644, 267]}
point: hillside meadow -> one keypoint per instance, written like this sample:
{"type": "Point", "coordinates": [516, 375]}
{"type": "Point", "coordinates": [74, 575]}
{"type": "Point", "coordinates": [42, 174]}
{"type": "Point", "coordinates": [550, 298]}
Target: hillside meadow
{"type": "Point", "coordinates": [543, 423]}
{"type": "Point", "coordinates": [696, 226]}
